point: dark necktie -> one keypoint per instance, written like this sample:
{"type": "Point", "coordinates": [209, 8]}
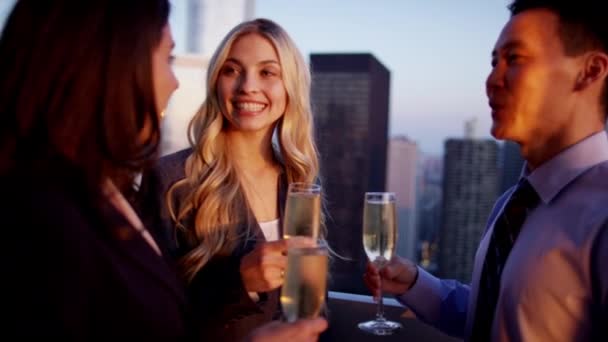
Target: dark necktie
{"type": "Point", "coordinates": [507, 227]}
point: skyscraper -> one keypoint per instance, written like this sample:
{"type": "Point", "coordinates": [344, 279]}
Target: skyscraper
{"type": "Point", "coordinates": [350, 95]}
{"type": "Point", "coordinates": [401, 179]}
{"type": "Point", "coordinates": [511, 165]}
{"type": "Point", "coordinates": [429, 206]}
{"type": "Point", "coordinates": [470, 187]}
{"type": "Point", "coordinates": [190, 71]}
{"type": "Point", "coordinates": [210, 20]}
{"type": "Point", "coordinates": [6, 6]}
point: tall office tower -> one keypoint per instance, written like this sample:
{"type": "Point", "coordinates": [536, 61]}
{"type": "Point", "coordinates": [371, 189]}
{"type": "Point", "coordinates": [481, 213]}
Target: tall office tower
{"type": "Point", "coordinates": [429, 211]}
{"type": "Point", "coordinates": [511, 165]}
{"type": "Point", "coordinates": [198, 27]}
{"type": "Point", "coordinates": [470, 187]}
{"type": "Point", "coordinates": [210, 20]}
{"type": "Point", "coordinates": [401, 179]}
{"type": "Point", "coordinates": [350, 95]}
{"type": "Point", "coordinates": [190, 71]}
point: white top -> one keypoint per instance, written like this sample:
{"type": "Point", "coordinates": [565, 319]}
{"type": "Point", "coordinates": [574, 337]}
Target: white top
{"type": "Point", "coordinates": [270, 230]}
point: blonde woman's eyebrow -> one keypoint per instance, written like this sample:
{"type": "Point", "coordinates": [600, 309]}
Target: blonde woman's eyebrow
{"type": "Point", "coordinates": [264, 62]}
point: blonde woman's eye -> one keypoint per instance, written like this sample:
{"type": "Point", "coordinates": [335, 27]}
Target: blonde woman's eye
{"type": "Point", "coordinates": [228, 70]}
{"type": "Point", "coordinates": [268, 73]}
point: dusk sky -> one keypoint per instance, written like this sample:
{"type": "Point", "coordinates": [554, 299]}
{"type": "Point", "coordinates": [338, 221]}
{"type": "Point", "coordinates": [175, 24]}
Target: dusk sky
{"type": "Point", "coordinates": [438, 53]}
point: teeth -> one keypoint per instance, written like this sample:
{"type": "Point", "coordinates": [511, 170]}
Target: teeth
{"type": "Point", "coordinates": [250, 106]}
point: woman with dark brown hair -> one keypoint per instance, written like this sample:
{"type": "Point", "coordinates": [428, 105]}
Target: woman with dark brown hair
{"type": "Point", "coordinates": [82, 88]}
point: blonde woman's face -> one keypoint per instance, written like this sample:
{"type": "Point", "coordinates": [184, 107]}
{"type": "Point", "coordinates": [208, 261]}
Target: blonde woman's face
{"type": "Point", "coordinates": [250, 85]}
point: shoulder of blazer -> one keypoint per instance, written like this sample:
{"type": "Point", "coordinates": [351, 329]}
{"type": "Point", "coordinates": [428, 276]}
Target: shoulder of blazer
{"type": "Point", "coordinates": [170, 168]}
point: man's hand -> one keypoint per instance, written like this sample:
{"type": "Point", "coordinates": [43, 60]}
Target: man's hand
{"type": "Point", "coordinates": [398, 276]}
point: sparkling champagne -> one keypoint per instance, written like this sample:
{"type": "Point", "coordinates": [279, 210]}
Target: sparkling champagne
{"type": "Point", "coordinates": [302, 215]}
{"type": "Point", "coordinates": [303, 293]}
{"type": "Point", "coordinates": [379, 230]}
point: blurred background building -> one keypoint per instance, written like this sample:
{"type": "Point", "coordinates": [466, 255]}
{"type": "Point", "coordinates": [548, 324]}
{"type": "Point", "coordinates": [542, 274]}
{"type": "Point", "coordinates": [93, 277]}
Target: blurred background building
{"type": "Point", "coordinates": [350, 98]}
{"type": "Point", "coordinates": [401, 176]}
{"type": "Point", "coordinates": [511, 166]}
{"type": "Point", "coordinates": [470, 187]}
{"type": "Point", "coordinates": [430, 185]}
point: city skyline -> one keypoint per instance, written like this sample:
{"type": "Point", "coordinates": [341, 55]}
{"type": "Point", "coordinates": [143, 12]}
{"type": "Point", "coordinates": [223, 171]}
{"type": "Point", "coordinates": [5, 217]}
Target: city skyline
{"type": "Point", "coordinates": [438, 53]}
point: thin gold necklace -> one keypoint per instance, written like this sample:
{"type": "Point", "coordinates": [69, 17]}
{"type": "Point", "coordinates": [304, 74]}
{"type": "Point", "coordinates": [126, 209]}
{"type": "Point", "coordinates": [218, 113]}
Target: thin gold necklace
{"type": "Point", "coordinates": [252, 187]}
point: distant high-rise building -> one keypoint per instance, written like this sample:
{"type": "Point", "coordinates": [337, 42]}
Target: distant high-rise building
{"type": "Point", "coordinates": [470, 188]}
{"type": "Point", "coordinates": [511, 165]}
{"type": "Point", "coordinates": [401, 179]}
{"type": "Point", "coordinates": [6, 6]}
{"type": "Point", "coordinates": [191, 71]}
{"type": "Point", "coordinates": [429, 211]}
{"type": "Point", "coordinates": [210, 20]}
{"type": "Point", "coordinates": [350, 95]}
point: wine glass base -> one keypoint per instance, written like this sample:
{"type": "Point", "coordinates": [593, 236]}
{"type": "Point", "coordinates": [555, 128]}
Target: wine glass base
{"type": "Point", "coordinates": [380, 327]}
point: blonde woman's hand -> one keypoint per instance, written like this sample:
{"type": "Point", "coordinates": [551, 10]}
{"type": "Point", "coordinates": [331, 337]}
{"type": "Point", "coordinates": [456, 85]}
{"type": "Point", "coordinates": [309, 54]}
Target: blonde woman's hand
{"type": "Point", "coordinates": [300, 331]}
{"type": "Point", "coordinates": [263, 269]}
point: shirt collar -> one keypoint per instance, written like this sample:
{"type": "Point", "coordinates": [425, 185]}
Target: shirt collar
{"type": "Point", "coordinates": [552, 176]}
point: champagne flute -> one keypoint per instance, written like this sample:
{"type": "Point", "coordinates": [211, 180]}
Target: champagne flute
{"type": "Point", "coordinates": [303, 293]}
{"type": "Point", "coordinates": [379, 241]}
{"type": "Point", "coordinates": [302, 211]}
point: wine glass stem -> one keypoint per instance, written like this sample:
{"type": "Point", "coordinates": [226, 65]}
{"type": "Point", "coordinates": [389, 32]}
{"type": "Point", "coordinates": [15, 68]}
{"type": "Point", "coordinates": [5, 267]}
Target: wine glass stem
{"type": "Point", "coordinates": [380, 308]}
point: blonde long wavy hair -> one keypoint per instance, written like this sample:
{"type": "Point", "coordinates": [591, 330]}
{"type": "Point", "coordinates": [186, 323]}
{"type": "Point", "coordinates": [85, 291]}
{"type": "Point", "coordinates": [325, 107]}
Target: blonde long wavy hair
{"type": "Point", "coordinates": [213, 193]}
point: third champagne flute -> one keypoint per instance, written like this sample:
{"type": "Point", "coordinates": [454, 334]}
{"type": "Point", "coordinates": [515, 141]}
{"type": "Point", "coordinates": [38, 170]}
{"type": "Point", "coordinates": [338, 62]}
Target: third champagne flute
{"type": "Point", "coordinates": [379, 241]}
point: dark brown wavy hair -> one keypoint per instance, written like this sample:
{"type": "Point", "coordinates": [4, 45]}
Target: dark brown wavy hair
{"type": "Point", "coordinates": [77, 86]}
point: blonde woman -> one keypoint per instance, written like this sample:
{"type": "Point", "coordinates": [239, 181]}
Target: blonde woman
{"type": "Point", "coordinates": [220, 203]}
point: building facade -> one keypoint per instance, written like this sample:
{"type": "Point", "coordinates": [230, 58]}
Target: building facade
{"type": "Point", "coordinates": [401, 179]}
{"type": "Point", "coordinates": [470, 188]}
{"type": "Point", "coordinates": [350, 96]}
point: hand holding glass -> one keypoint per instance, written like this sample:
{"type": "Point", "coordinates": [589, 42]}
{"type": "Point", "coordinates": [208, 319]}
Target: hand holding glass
{"type": "Point", "coordinates": [379, 240]}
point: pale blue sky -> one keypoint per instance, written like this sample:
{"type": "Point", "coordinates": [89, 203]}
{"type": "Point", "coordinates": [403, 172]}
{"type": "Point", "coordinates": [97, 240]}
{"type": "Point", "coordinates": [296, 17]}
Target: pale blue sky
{"type": "Point", "coordinates": [438, 52]}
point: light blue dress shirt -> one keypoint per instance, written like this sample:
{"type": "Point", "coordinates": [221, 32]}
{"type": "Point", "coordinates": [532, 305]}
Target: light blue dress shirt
{"type": "Point", "coordinates": [554, 286]}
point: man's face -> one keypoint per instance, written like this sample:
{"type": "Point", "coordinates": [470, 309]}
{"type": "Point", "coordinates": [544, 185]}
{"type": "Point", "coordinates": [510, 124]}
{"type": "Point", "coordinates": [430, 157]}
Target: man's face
{"type": "Point", "coordinates": [531, 85]}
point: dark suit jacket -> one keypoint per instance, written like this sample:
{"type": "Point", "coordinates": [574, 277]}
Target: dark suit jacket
{"type": "Point", "coordinates": [76, 270]}
{"type": "Point", "coordinates": [222, 307]}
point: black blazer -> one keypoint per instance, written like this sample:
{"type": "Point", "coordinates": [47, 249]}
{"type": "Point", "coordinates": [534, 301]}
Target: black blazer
{"type": "Point", "coordinates": [76, 270]}
{"type": "Point", "coordinates": [222, 307]}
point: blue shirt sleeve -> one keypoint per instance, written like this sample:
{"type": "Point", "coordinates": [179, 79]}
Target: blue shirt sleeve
{"type": "Point", "coordinates": [440, 303]}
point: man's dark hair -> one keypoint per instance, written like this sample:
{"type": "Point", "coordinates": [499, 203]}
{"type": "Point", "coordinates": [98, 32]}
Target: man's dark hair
{"type": "Point", "coordinates": [583, 25]}
{"type": "Point", "coordinates": [77, 86]}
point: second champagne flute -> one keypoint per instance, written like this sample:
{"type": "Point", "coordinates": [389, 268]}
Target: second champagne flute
{"type": "Point", "coordinates": [379, 241]}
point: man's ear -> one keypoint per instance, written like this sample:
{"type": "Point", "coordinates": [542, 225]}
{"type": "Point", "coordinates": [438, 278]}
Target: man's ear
{"type": "Point", "coordinates": [595, 69]}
